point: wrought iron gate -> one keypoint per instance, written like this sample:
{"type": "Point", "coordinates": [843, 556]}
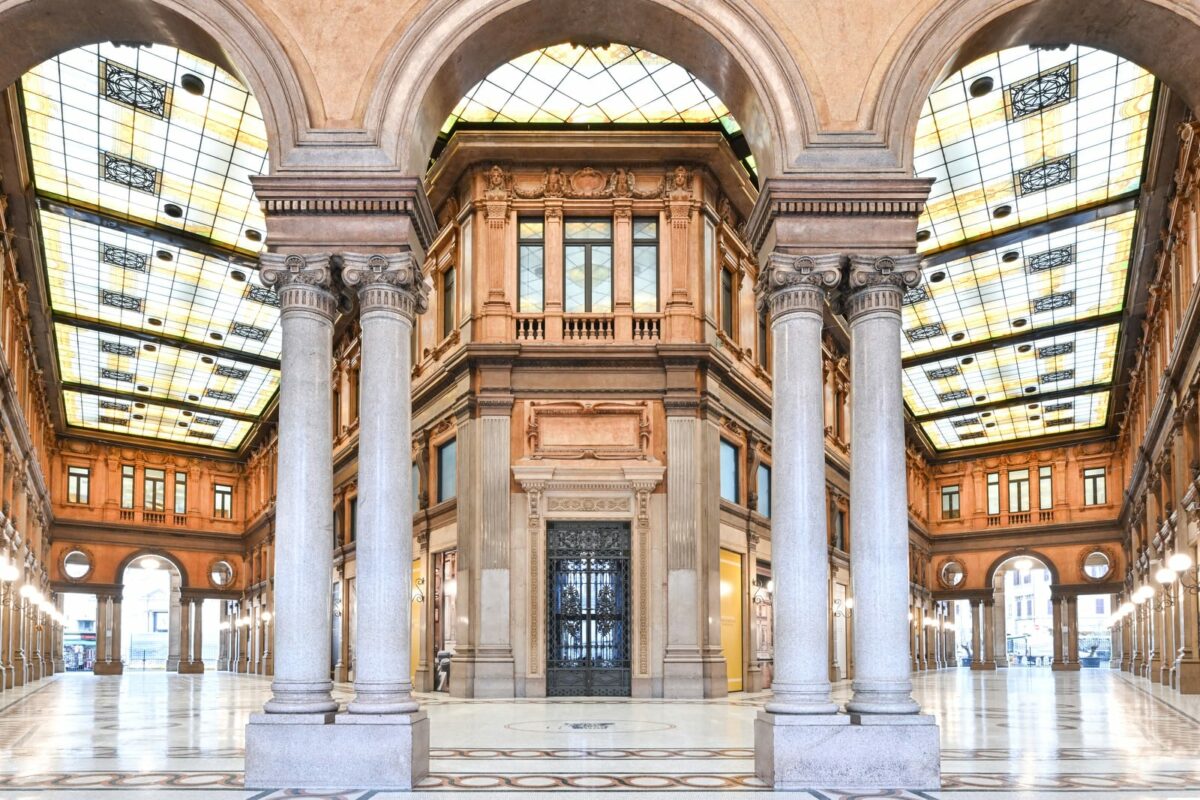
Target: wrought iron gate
{"type": "Point", "coordinates": [587, 638]}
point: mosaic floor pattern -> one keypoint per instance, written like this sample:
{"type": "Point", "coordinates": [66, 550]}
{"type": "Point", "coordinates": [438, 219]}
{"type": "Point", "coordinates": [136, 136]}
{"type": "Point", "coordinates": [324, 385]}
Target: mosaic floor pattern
{"type": "Point", "coordinates": [1017, 733]}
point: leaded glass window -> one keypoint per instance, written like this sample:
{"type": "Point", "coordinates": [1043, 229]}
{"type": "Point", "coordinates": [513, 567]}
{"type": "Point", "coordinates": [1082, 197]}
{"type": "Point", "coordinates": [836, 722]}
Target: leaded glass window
{"type": "Point", "coordinates": [587, 266]}
{"type": "Point", "coordinates": [1041, 177]}
{"type": "Point", "coordinates": [126, 86]}
{"type": "Point", "coordinates": [531, 267]}
{"type": "Point", "coordinates": [154, 489]}
{"type": "Point", "coordinates": [645, 266]}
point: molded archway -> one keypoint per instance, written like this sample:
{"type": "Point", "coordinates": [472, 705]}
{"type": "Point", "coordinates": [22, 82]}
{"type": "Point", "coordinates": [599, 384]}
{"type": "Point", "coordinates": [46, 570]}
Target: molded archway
{"type": "Point", "coordinates": [453, 44]}
{"type": "Point", "coordinates": [1161, 36]}
{"type": "Point", "coordinates": [152, 551]}
{"type": "Point", "coordinates": [1021, 552]}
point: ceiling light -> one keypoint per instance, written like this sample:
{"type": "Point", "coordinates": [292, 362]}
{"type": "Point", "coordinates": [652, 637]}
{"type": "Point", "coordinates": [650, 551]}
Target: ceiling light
{"type": "Point", "coordinates": [937, 277]}
{"type": "Point", "coordinates": [1165, 575]}
{"type": "Point", "coordinates": [192, 84]}
{"type": "Point", "coordinates": [238, 275]}
{"type": "Point", "coordinates": [981, 86]}
{"type": "Point", "coordinates": [958, 337]}
{"type": "Point", "coordinates": [968, 360]}
{"type": "Point", "coordinates": [173, 210]}
{"type": "Point", "coordinates": [1001, 212]}
{"type": "Point", "coordinates": [1011, 255]}
{"type": "Point", "coordinates": [164, 255]}
{"type": "Point", "coordinates": [1179, 561]}
{"type": "Point", "coordinates": [253, 235]}
{"type": "Point", "coordinates": [923, 236]}
{"type": "Point", "coordinates": [1020, 323]}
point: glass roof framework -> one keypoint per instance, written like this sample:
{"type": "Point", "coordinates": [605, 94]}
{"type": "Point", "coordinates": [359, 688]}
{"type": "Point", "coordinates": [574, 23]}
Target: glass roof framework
{"type": "Point", "coordinates": [1016, 142]}
{"type": "Point", "coordinates": [139, 151]}
{"type": "Point", "coordinates": [570, 84]}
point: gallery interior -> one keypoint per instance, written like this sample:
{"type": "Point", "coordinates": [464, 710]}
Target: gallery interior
{"type": "Point", "coordinates": [642, 396]}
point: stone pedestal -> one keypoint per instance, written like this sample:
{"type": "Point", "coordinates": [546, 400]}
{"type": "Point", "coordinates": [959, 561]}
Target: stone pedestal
{"type": "Point", "coordinates": [108, 668]}
{"type": "Point", "coordinates": [337, 751]}
{"type": "Point", "coordinates": [847, 751]}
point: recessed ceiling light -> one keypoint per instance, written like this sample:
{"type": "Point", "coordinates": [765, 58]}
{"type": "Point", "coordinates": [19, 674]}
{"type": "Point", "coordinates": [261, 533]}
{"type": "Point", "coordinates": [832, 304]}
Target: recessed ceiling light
{"type": "Point", "coordinates": [143, 387]}
{"type": "Point", "coordinates": [1030, 389]}
{"type": "Point", "coordinates": [206, 359]}
{"type": "Point", "coordinates": [194, 397]}
{"type": "Point", "coordinates": [192, 84]}
{"type": "Point", "coordinates": [1033, 405]}
{"type": "Point", "coordinates": [173, 210]}
{"type": "Point", "coordinates": [958, 337]}
{"type": "Point", "coordinates": [986, 414]}
{"type": "Point", "coordinates": [139, 416]}
{"type": "Point", "coordinates": [149, 348]}
{"type": "Point", "coordinates": [990, 425]}
{"type": "Point", "coordinates": [238, 275]}
{"type": "Point", "coordinates": [1035, 417]}
{"type": "Point", "coordinates": [215, 336]}
{"type": "Point", "coordinates": [164, 255]}
{"type": "Point", "coordinates": [1001, 212]}
{"type": "Point", "coordinates": [937, 277]}
{"type": "Point", "coordinates": [139, 405]}
{"type": "Point", "coordinates": [1011, 255]}
{"type": "Point", "coordinates": [1020, 323]}
{"type": "Point", "coordinates": [253, 235]}
{"type": "Point", "coordinates": [187, 413]}
{"type": "Point", "coordinates": [153, 321]}
{"type": "Point", "coordinates": [923, 236]}
{"type": "Point", "coordinates": [968, 360]}
{"type": "Point", "coordinates": [981, 86]}
{"type": "Point", "coordinates": [979, 398]}
{"type": "Point", "coordinates": [181, 424]}
{"type": "Point", "coordinates": [1025, 348]}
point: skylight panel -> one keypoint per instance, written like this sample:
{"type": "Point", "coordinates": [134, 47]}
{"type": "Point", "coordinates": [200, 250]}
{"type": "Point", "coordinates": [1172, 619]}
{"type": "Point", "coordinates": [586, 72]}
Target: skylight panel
{"type": "Point", "coordinates": [149, 134]}
{"type": "Point", "coordinates": [1025, 134]}
{"type": "Point", "coordinates": [1015, 423]}
{"type": "Point", "coordinates": [94, 411]}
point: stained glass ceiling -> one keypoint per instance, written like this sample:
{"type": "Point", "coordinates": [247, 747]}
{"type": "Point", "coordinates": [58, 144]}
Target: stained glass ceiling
{"type": "Point", "coordinates": [141, 158]}
{"type": "Point", "coordinates": [570, 84]}
{"type": "Point", "coordinates": [1036, 155]}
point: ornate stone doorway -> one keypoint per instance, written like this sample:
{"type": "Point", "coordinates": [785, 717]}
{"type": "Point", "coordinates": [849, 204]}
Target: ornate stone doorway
{"type": "Point", "coordinates": [587, 615]}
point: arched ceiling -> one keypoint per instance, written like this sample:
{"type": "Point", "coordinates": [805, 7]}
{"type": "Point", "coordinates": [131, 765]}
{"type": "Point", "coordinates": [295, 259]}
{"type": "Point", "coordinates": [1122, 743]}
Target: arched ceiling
{"type": "Point", "coordinates": [141, 158]}
{"type": "Point", "coordinates": [1037, 156]}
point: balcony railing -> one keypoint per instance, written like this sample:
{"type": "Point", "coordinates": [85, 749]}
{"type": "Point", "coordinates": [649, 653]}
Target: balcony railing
{"type": "Point", "coordinates": [1020, 519]}
{"type": "Point", "coordinates": [530, 329]}
{"type": "Point", "coordinates": [647, 329]}
{"type": "Point", "coordinates": [590, 328]}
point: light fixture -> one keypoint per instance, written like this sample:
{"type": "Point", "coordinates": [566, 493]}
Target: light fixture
{"type": "Point", "coordinates": [1165, 575]}
{"type": "Point", "coordinates": [1178, 562]}
{"type": "Point", "coordinates": [266, 616]}
{"type": "Point", "coordinates": [1023, 565]}
{"type": "Point", "coordinates": [149, 563]}
{"type": "Point", "coordinates": [9, 572]}
{"type": "Point", "coordinates": [1126, 609]}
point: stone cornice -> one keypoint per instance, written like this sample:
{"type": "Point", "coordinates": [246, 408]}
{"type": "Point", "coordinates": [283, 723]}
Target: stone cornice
{"type": "Point", "coordinates": [866, 196]}
{"type": "Point", "coordinates": [314, 194]}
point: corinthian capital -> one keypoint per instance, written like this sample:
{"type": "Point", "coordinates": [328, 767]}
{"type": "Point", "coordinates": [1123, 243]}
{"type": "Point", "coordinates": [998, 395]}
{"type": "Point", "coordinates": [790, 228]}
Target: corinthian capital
{"type": "Point", "coordinates": [390, 282]}
{"type": "Point", "coordinates": [302, 282]}
{"type": "Point", "coordinates": [787, 282]}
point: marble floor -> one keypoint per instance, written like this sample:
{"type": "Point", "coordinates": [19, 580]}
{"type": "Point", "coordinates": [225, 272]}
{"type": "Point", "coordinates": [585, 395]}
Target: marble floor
{"type": "Point", "coordinates": [1021, 732]}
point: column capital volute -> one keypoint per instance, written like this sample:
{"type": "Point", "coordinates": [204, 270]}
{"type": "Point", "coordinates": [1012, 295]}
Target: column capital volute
{"type": "Point", "coordinates": [303, 282]}
{"type": "Point", "coordinates": [387, 282]}
{"type": "Point", "coordinates": [797, 282]}
{"type": "Point", "coordinates": [878, 282]}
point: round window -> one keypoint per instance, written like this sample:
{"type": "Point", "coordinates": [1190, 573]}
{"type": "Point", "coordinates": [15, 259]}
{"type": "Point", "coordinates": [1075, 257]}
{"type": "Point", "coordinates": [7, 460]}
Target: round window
{"type": "Point", "coordinates": [77, 564]}
{"type": "Point", "coordinates": [953, 574]}
{"type": "Point", "coordinates": [221, 573]}
{"type": "Point", "coordinates": [1097, 565]}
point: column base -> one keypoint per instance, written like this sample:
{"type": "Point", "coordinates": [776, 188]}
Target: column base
{"type": "Point", "coordinates": [173, 664]}
{"type": "Point", "coordinates": [755, 679]}
{"type": "Point", "coordinates": [222, 665]}
{"type": "Point", "coordinates": [684, 677]}
{"type": "Point", "coordinates": [191, 667]}
{"type": "Point", "coordinates": [59, 666]}
{"type": "Point", "coordinates": [477, 677]}
{"type": "Point", "coordinates": [1188, 677]}
{"type": "Point", "coordinates": [1065, 667]}
{"type": "Point", "coordinates": [983, 666]}
{"type": "Point", "coordinates": [9, 675]}
{"type": "Point", "coordinates": [847, 751]}
{"type": "Point", "coordinates": [242, 667]}
{"type": "Point", "coordinates": [337, 751]}
{"type": "Point", "coordinates": [108, 668]}
{"type": "Point", "coordinates": [1154, 670]}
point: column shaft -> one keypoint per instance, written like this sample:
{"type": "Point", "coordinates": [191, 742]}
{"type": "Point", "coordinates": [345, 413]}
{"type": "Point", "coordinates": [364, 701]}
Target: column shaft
{"type": "Point", "coordinates": [878, 495]}
{"type": "Point", "coordinates": [304, 518]}
{"type": "Point", "coordinates": [389, 295]}
{"type": "Point", "coordinates": [198, 635]}
{"type": "Point", "coordinates": [792, 289]}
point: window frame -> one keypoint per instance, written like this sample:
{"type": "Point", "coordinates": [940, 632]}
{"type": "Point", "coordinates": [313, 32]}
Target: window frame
{"type": "Point", "coordinates": [727, 302]}
{"type": "Point", "coordinates": [763, 496]}
{"type": "Point", "coordinates": [128, 486]}
{"type": "Point", "coordinates": [993, 494]}
{"type": "Point", "coordinates": [449, 315]}
{"type": "Point", "coordinates": [154, 489]}
{"type": "Point", "coordinates": [762, 341]}
{"type": "Point", "coordinates": [735, 452]}
{"type": "Point", "coordinates": [522, 243]}
{"type": "Point", "coordinates": [180, 483]}
{"type": "Point", "coordinates": [443, 473]}
{"type": "Point", "coordinates": [79, 485]}
{"type": "Point", "coordinates": [1093, 478]}
{"type": "Point", "coordinates": [222, 510]}
{"type": "Point", "coordinates": [951, 490]}
{"type": "Point", "coordinates": [588, 283]}
{"type": "Point", "coordinates": [1018, 491]}
{"type": "Point", "coordinates": [1045, 488]}
{"type": "Point", "coordinates": [644, 243]}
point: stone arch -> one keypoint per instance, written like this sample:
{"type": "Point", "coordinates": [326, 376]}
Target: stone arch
{"type": "Point", "coordinates": [434, 59]}
{"type": "Point", "coordinates": [165, 555]}
{"type": "Point", "coordinates": [1022, 552]}
{"type": "Point", "coordinates": [225, 32]}
{"type": "Point", "coordinates": [1161, 36]}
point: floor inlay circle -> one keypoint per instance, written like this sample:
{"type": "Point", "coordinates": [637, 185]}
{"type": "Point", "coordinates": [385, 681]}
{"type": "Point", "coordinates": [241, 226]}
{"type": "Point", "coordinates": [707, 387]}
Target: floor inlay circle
{"type": "Point", "coordinates": [590, 726]}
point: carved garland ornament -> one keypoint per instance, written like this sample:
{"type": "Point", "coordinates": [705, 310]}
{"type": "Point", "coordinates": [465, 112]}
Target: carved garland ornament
{"type": "Point", "coordinates": [587, 183]}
